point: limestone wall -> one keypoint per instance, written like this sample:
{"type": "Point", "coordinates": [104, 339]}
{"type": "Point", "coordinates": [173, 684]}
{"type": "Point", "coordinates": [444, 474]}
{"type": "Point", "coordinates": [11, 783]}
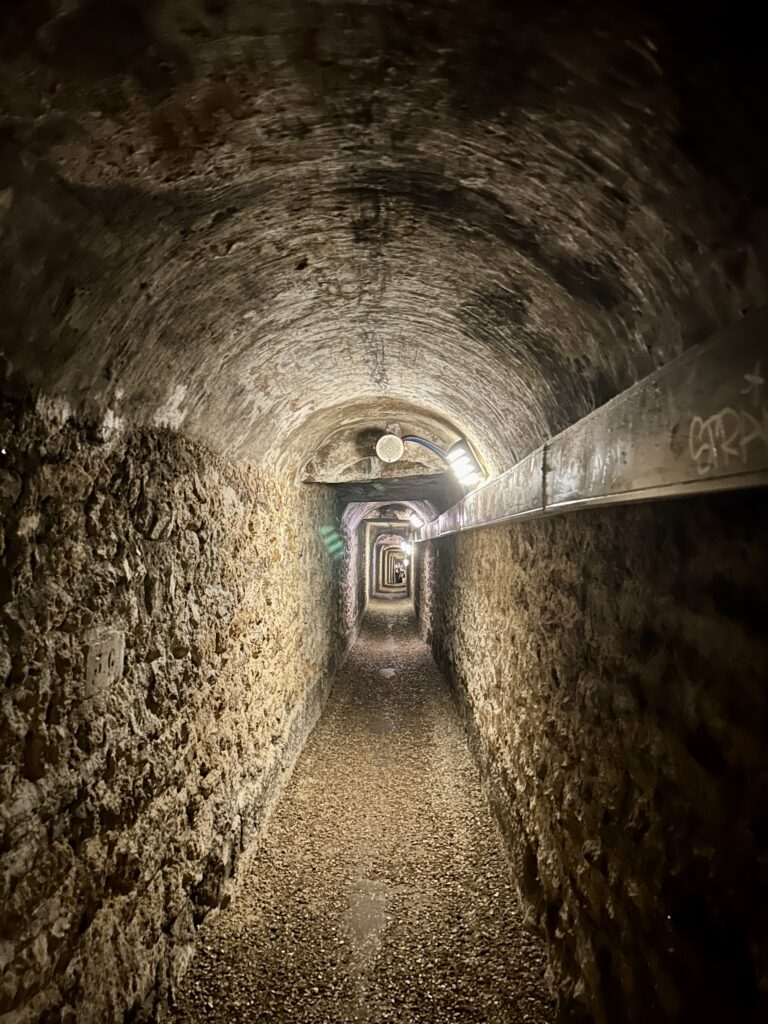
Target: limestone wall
{"type": "Point", "coordinates": [353, 577]}
{"type": "Point", "coordinates": [168, 626]}
{"type": "Point", "coordinates": [612, 667]}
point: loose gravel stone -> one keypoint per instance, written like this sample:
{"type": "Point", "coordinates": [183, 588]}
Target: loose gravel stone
{"type": "Point", "coordinates": [381, 892]}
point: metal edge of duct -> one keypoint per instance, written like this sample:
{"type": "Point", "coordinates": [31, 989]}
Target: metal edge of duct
{"type": "Point", "coordinates": [696, 425]}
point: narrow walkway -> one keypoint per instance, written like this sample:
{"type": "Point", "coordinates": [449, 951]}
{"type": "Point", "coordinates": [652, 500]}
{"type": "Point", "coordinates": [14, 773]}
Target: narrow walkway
{"type": "Point", "coordinates": [381, 892]}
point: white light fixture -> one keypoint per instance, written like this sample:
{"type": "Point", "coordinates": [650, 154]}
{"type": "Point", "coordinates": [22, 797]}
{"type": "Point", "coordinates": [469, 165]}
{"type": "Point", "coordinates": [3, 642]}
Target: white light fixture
{"type": "Point", "coordinates": [416, 521]}
{"type": "Point", "coordinates": [407, 548]}
{"type": "Point", "coordinates": [455, 453]}
{"type": "Point", "coordinates": [390, 448]}
{"type": "Point", "coordinates": [465, 464]}
{"type": "Point", "coordinates": [406, 562]}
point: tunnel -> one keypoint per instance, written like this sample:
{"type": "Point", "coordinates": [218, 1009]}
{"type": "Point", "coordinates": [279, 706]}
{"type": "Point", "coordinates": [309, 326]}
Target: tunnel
{"type": "Point", "coordinates": [300, 724]}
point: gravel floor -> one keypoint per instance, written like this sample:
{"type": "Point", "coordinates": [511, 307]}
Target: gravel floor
{"type": "Point", "coordinates": [380, 893]}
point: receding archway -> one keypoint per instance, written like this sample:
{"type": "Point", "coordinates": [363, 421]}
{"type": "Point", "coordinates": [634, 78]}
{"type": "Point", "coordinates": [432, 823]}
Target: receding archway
{"type": "Point", "coordinates": [390, 564]}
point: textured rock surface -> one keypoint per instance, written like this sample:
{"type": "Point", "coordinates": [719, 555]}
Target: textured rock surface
{"type": "Point", "coordinates": [612, 668]}
{"type": "Point", "coordinates": [283, 227]}
{"type": "Point", "coordinates": [129, 792]}
{"type": "Point", "coordinates": [282, 224]}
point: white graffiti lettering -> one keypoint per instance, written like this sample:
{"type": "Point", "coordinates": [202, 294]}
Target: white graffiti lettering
{"type": "Point", "coordinates": [755, 383]}
{"type": "Point", "coordinates": [728, 437]}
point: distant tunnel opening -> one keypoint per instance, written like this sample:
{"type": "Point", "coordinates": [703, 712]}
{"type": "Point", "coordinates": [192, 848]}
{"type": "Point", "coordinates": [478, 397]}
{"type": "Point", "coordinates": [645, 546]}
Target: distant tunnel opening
{"type": "Point", "coordinates": [389, 568]}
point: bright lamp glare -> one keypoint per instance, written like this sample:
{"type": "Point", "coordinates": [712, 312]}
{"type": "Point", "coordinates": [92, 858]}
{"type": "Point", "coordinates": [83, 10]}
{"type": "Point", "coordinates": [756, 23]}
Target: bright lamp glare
{"type": "Point", "coordinates": [464, 464]}
{"type": "Point", "coordinates": [407, 548]}
{"type": "Point", "coordinates": [406, 562]}
{"type": "Point", "coordinates": [416, 521]}
{"type": "Point", "coordinates": [452, 456]}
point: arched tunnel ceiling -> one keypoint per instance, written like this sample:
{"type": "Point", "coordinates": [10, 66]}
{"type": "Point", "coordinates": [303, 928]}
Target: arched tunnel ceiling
{"type": "Point", "coordinates": [269, 223]}
{"type": "Point", "coordinates": [356, 512]}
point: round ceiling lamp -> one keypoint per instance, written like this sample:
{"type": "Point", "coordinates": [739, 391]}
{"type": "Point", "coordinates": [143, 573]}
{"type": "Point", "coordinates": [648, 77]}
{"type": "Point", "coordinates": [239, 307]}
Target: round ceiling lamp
{"type": "Point", "coordinates": [389, 448]}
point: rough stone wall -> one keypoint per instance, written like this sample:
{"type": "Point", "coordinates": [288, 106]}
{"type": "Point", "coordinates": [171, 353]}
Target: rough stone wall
{"type": "Point", "coordinates": [353, 560]}
{"type": "Point", "coordinates": [424, 585]}
{"type": "Point", "coordinates": [167, 631]}
{"type": "Point", "coordinates": [362, 570]}
{"type": "Point", "coordinates": [612, 668]}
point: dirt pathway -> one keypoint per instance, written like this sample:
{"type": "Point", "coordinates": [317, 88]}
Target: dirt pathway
{"type": "Point", "coordinates": [380, 893]}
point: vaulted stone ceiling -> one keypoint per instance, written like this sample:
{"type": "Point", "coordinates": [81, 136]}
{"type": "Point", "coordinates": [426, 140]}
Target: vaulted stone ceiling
{"type": "Point", "coordinates": [282, 225]}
